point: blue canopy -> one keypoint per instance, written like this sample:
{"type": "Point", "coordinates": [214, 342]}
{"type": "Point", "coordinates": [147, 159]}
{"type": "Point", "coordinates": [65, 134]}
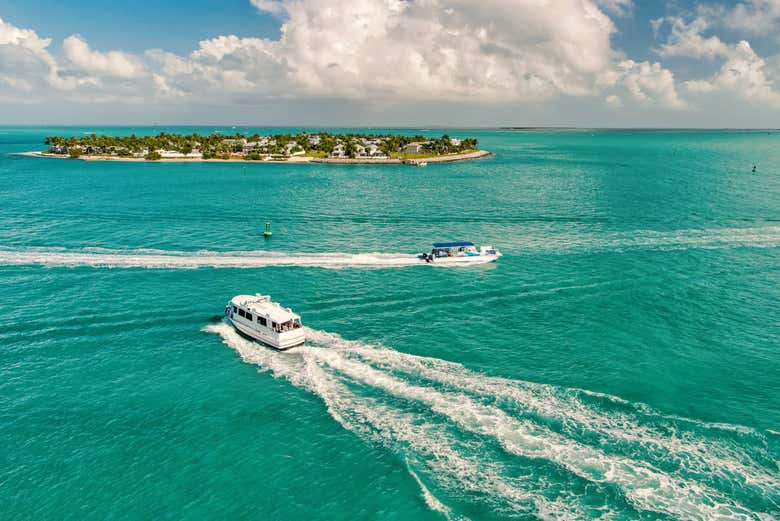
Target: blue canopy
{"type": "Point", "coordinates": [451, 244]}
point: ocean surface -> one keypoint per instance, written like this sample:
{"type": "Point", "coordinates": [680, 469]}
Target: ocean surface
{"type": "Point", "coordinates": [621, 361]}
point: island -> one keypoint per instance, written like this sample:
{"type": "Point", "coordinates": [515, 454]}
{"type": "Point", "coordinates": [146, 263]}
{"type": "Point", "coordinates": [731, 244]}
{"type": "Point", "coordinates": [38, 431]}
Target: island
{"type": "Point", "coordinates": [304, 147]}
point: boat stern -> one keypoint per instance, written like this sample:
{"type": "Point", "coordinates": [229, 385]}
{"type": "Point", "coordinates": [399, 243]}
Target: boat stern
{"type": "Point", "coordinates": [290, 339]}
{"type": "Point", "coordinates": [489, 250]}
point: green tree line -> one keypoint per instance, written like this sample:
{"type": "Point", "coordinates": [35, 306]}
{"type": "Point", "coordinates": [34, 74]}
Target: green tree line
{"type": "Point", "coordinates": [224, 145]}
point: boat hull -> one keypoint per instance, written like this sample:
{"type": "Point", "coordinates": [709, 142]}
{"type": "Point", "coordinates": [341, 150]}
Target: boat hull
{"type": "Point", "coordinates": [267, 339]}
{"type": "Point", "coordinates": [462, 260]}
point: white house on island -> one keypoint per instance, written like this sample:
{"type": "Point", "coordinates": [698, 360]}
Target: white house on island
{"type": "Point", "coordinates": [338, 151]}
{"type": "Point", "coordinates": [415, 147]}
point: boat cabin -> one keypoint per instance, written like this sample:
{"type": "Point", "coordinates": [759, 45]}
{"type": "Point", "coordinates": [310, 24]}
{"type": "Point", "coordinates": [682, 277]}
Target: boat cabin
{"type": "Point", "coordinates": [453, 249]}
{"type": "Point", "coordinates": [261, 311]}
{"type": "Point", "coordinates": [264, 320]}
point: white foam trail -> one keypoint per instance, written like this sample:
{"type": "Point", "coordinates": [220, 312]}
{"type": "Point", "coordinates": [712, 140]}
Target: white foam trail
{"type": "Point", "coordinates": [756, 237]}
{"type": "Point", "coordinates": [692, 453]}
{"type": "Point", "coordinates": [646, 487]}
{"type": "Point", "coordinates": [457, 396]}
{"type": "Point", "coordinates": [712, 238]}
{"type": "Point", "coordinates": [411, 433]}
{"type": "Point", "coordinates": [101, 258]}
{"type": "Point", "coordinates": [431, 500]}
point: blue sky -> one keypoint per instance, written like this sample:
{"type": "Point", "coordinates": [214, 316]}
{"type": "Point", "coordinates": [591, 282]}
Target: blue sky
{"type": "Point", "coordinates": [174, 25]}
{"type": "Point", "coordinates": [392, 62]}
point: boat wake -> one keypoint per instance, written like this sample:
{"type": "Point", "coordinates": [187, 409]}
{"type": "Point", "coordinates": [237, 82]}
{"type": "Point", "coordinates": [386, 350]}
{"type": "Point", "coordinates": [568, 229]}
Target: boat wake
{"type": "Point", "coordinates": [161, 259]}
{"type": "Point", "coordinates": [725, 238]}
{"type": "Point", "coordinates": [524, 449]}
{"type": "Point", "coordinates": [652, 240]}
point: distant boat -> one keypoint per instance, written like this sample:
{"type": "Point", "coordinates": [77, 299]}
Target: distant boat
{"type": "Point", "coordinates": [461, 252]}
{"type": "Point", "coordinates": [257, 317]}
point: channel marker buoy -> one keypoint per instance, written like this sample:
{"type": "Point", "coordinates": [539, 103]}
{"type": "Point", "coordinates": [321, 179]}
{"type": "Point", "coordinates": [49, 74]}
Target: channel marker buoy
{"type": "Point", "coordinates": [267, 232]}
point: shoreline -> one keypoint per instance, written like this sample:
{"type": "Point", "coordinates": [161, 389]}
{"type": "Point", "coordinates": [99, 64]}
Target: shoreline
{"type": "Point", "coordinates": [479, 154]}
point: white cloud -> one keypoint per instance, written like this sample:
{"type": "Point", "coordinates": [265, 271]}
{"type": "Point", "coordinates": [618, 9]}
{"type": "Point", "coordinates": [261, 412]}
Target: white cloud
{"type": "Point", "coordinates": [614, 101]}
{"type": "Point", "coordinates": [754, 17]}
{"type": "Point", "coordinates": [27, 68]}
{"type": "Point", "coordinates": [742, 73]}
{"type": "Point", "coordinates": [649, 84]}
{"type": "Point", "coordinates": [10, 35]}
{"type": "Point", "coordinates": [383, 51]}
{"type": "Point", "coordinates": [703, 86]}
{"type": "Point", "coordinates": [270, 6]}
{"type": "Point", "coordinates": [498, 50]}
{"type": "Point", "coordinates": [112, 63]}
{"type": "Point", "coordinates": [687, 40]}
{"type": "Point", "coordinates": [616, 7]}
{"type": "Point", "coordinates": [225, 65]}
{"type": "Point", "coordinates": [375, 51]}
{"type": "Point", "coordinates": [24, 59]}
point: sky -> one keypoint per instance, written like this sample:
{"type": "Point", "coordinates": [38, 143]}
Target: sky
{"type": "Point", "coordinates": [456, 63]}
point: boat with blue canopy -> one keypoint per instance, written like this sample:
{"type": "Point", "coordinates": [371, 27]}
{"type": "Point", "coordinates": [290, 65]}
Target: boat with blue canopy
{"type": "Point", "coordinates": [460, 252]}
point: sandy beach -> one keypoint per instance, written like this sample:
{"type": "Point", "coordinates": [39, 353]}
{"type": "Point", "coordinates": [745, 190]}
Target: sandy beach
{"type": "Point", "coordinates": [294, 159]}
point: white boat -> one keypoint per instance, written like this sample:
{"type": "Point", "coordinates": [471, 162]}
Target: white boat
{"type": "Point", "coordinates": [461, 252]}
{"type": "Point", "coordinates": [416, 162]}
{"type": "Point", "coordinates": [257, 317]}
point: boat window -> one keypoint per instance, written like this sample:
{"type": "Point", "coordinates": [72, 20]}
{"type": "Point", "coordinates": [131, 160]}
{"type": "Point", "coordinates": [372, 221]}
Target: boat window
{"type": "Point", "coordinates": [241, 313]}
{"type": "Point", "coordinates": [235, 309]}
{"type": "Point", "coordinates": [262, 321]}
{"type": "Point", "coordinates": [249, 316]}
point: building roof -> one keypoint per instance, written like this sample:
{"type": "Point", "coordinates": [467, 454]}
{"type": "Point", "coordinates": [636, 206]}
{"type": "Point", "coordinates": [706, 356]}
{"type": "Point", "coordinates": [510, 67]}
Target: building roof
{"type": "Point", "coordinates": [452, 244]}
{"type": "Point", "coordinates": [261, 305]}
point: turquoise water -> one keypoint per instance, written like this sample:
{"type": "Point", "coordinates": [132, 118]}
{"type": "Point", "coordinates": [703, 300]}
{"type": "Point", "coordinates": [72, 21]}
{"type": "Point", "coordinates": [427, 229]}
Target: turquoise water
{"type": "Point", "coordinates": [619, 362]}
